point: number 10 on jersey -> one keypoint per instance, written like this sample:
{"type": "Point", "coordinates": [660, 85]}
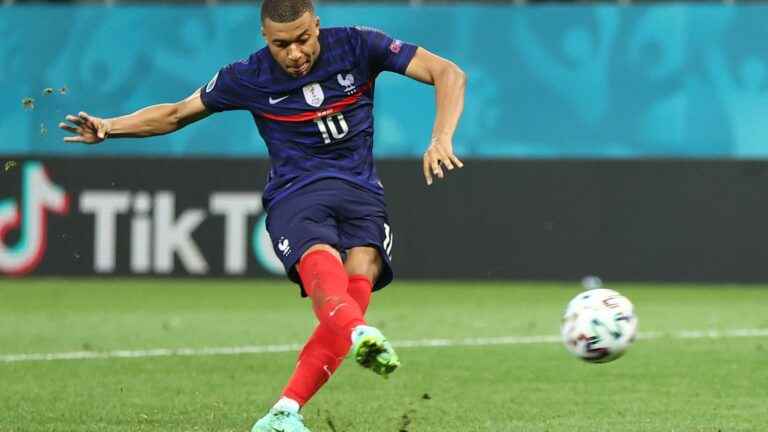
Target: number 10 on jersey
{"type": "Point", "coordinates": [329, 124]}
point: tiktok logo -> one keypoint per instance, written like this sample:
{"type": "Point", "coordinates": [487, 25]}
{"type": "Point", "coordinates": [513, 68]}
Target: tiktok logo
{"type": "Point", "coordinates": [39, 195]}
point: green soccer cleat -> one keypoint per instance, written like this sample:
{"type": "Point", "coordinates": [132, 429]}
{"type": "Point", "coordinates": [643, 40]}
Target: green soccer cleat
{"type": "Point", "coordinates": [373, 351]}
{"type": "Point", "coordinates": [280, 421]}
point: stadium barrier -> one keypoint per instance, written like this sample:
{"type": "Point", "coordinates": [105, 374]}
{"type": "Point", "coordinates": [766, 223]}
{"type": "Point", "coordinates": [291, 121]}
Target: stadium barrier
{"type": "Point", "coordinates": [495, 219]}
{"type": "Point", "coordinates": [584, 81]}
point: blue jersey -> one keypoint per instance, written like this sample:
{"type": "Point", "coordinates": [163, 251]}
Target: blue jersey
{"type": "Point", "coordinates": [319, 125]}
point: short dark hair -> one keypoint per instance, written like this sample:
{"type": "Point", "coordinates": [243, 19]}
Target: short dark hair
{"type": "Point", "coordinates": [283, 11]}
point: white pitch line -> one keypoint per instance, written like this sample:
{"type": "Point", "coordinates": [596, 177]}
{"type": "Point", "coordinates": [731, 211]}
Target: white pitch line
{"type": "Point", "coordinates": [420, 343]}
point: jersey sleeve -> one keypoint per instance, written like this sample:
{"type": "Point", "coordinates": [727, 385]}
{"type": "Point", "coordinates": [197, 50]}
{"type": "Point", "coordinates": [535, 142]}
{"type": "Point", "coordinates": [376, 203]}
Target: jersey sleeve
{"type": "Point", "coordinates": [386, 53]}
{"type": "Point", "coordinates": [223, 93]}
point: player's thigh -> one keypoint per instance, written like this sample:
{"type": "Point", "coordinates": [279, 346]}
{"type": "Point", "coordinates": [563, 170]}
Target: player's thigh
{"type": "Point", "coordinates": [364, 223]}
{"type": "Point", "coordinates": [300, 223]}
{"type": "Point", "coordinates": [369, 241]}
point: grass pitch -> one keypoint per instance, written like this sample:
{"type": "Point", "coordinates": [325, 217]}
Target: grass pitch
{"type": "Point", "coordinates": [666, 383]}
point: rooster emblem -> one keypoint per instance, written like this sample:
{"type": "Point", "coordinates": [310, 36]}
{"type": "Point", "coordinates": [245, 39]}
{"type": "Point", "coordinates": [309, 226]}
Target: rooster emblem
{"type": "Point", "coordinates": [347, 81]}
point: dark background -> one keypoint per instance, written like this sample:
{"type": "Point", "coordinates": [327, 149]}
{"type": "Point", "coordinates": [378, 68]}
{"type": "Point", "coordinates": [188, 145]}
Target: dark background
{"type": "Point", "coordinates": [639, 220]}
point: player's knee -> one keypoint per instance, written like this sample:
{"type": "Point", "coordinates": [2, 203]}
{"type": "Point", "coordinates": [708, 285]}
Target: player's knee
{"type": "Point", "coordinates": [321, 247]}
{"type": "Point", "coordinates": [365, 261]}
{"type": "Point", "coordinates": [370, 269]}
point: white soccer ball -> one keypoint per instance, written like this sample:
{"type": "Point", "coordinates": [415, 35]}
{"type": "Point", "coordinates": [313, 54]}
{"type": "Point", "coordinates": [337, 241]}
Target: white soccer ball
{"type": "Point", "coordinates": [599, 325]}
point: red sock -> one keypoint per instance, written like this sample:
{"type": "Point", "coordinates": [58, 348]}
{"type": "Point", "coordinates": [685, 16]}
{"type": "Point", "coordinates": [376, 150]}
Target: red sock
{"type": "Point", "coordinates": [324, 351]}
{"type": "Point", "coordinates": [360, 288]}
{"type": "Point", "coordinates": [318, 360]}
{"type": "Point", "coordinates": [326, 283]}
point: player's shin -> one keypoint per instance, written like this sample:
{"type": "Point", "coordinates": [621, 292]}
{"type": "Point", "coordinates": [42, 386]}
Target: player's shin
{"type": "Point", "coordinates": [323, 353]}
{"type": "Point", "coordinates": [318, 360]}
{"type": "Point", "coordinates": [360, 288]}
{"type": "Point", "coordinates": [326, 282]}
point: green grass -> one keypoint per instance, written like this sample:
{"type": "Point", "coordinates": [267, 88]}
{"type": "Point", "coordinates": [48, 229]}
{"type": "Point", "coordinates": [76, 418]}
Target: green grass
{"type": "Point", "coordinates": [664, 384]}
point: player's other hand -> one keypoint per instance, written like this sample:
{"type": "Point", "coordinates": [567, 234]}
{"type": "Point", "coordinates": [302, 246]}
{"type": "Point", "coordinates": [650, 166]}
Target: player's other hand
{"type": "Point", "coordinates": [438, 158]}
{"type": "Point", "coordinates": [87, 129]}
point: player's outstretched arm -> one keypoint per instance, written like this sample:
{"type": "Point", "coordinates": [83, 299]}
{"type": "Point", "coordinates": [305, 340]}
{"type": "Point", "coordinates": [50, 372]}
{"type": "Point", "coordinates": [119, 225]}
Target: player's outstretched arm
{"type": "Point", "coordinates": [450, 82]}
{"type": "Point", "coordinates": [150, 121]}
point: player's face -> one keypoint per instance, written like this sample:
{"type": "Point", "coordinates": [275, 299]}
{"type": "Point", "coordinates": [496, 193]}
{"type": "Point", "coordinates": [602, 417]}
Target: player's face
{"type": "Point", "coordinates": [294, 45]}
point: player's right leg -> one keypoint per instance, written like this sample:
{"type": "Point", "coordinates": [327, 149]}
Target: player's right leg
{"type": "Point", "coordinates": [341, 323]}
{"type": "Point", "coordinates": [303, 229]}
{"type": "Point", "coordinates": [295, 224]}
{"type": "Point", "coordinates": [325, 280]}
{"type": "Point", "coordinates": [283, 420]}
{"type": "Point", "coordinates": [324, 352]}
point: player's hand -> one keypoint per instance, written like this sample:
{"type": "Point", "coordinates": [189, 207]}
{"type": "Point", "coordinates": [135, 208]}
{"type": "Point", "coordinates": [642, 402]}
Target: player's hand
{"type": "Point", "coordinates": [439, 156]}
{"type": "Point", "coordinates": [87, 129]}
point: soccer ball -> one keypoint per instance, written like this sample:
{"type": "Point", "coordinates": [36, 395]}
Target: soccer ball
{"type": "Point", "coordinates": [599, 325]}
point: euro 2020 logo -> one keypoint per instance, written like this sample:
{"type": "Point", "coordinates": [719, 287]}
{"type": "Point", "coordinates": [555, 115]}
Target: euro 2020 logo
{"type": "Point", "coordinates": [39, 195]}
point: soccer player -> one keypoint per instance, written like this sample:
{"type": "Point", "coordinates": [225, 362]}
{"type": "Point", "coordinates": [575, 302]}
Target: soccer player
{"type": "Point", "coordinates": [310, 92]}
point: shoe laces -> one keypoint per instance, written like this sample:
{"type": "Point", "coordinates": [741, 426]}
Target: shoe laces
{"type": "Point", "coordinates": [285, 415]}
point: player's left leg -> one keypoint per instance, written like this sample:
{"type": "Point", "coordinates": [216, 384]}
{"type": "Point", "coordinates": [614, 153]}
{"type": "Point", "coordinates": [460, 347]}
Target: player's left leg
{"type": "Point", "coordinates": [325, 351]}
{"type": "Point", "coordinates": [371, 349]}
{"type": "Point", "coordinates": [365, 262]}
{"type": "Point", "coordinates": [327, 347]}
{"type": "Point", "coordinates": [366, 236]}
{"type": "Point", "coordinates": [363, 265]}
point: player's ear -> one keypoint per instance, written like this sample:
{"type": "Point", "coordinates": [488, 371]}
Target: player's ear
{"type": "Point", "coordinates": [317, 24]}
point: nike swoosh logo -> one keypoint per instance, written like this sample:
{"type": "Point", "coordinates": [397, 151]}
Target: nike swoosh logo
{"type": "Point", "coordinates": [278, 100]}
{"type": "Point", "coordinates": [336, 309]}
